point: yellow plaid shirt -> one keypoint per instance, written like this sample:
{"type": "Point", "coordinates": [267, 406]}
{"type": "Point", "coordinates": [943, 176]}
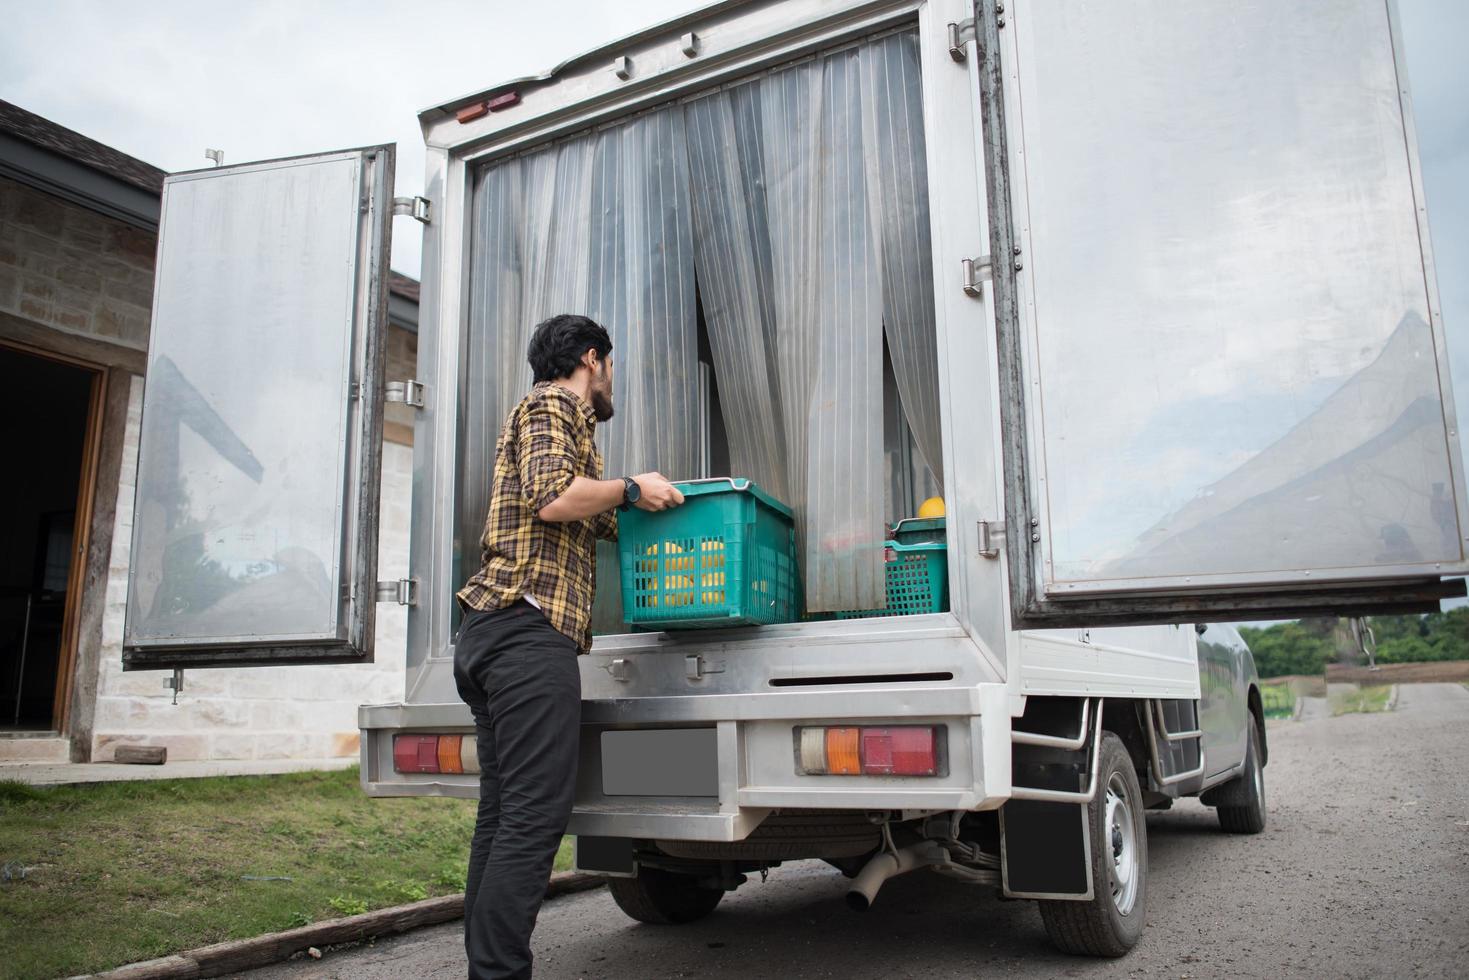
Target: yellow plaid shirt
{"type": "Point", "coordinates": [545, 444]}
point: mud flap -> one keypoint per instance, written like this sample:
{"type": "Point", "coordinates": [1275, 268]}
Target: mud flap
{"type": "Point", "coordinates": [1045, 850]}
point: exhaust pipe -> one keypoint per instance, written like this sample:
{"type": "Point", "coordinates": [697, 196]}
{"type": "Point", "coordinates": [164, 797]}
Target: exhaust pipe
{"type": "Point", "coordinates": [884, 866]}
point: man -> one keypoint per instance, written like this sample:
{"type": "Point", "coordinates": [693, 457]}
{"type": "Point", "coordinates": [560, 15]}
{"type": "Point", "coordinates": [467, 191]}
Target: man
{"type": "Point", "coordinates": [527, 615]}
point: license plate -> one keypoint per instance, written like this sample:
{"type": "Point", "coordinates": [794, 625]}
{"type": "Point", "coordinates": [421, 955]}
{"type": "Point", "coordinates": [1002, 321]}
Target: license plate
{"type": "Point", "coordinates": [665, 762]}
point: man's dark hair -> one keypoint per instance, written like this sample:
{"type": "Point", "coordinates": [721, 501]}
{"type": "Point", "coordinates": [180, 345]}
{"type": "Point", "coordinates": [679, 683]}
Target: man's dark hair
{"type": "Point", "coordinates": [559, 343]}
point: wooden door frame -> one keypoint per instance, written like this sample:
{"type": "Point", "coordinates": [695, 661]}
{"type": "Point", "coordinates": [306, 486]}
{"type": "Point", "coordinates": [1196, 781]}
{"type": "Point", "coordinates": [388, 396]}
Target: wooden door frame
{"type": "Point", "coordinates": [81, 525]}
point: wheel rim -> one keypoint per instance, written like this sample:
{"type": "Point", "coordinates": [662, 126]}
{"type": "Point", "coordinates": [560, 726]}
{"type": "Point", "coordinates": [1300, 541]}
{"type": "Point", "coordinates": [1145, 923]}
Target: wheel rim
{"type": "Point", "coordinates": [1121, 840]}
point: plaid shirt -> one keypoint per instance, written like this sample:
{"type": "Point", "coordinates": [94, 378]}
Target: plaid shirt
{"type": "Point", "coordinates": [545, 444]}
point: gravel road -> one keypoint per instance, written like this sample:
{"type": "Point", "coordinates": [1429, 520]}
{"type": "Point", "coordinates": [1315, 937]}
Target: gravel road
{"type": "Point", "coordinates": [1363, 871]}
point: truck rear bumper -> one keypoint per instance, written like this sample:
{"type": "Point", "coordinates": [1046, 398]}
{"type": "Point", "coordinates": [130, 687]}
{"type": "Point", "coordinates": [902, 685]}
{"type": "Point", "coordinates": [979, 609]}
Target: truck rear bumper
{"type": "Point", "coordinates": [754, 739]}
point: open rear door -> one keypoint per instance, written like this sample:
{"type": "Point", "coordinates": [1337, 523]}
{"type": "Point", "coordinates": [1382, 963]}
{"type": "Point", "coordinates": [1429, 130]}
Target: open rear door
{"type": "Point", "coordinates": [256, 512]}
{"type": "Point", "coordinates": [1224, 387]}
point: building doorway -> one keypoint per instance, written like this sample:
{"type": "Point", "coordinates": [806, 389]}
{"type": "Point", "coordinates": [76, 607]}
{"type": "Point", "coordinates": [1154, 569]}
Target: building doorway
{"type": "Point", "coordinates": [45, 512]}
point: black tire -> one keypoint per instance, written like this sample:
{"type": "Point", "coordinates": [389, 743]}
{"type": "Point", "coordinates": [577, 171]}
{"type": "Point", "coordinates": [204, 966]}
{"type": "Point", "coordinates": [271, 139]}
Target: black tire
{"type": "Point", "coordinates": [662, 898]}
{"type": "Point", "coordinates": [1242, 801]}
{"type": "Point", "coordinates": [1111, 922]}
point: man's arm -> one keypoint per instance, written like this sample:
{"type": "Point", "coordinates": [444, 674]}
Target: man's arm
{"type": "Point", "coordinates": [585, 498]}
{"type": "Point", "coordinates": [582, 499]}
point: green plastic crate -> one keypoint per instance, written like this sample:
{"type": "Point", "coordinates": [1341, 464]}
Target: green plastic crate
{"type": "Point", "coordinates": [726, 557]}
{"type": "Point", "coordinates": [919, 530]}
{"type": "Point", "coordinates": [917, 581]}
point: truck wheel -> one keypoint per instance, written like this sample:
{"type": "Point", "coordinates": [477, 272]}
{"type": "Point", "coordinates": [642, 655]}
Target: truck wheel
{"type": "Point", "coordinates": [662, 898]}
{"type": "Point", "coordinates": [1242, 802]}
{"type": "Point", "coordinates": [1110, 923]}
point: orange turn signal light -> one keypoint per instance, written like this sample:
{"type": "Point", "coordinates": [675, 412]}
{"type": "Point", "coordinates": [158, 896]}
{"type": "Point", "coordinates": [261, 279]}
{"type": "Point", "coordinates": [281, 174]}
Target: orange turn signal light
{"type": "Point", "coordinates": [843, 751]}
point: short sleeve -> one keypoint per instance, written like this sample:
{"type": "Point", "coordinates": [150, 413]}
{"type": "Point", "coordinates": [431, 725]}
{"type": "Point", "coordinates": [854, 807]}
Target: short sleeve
{"type": "Point", "coordinates": [546, 452]}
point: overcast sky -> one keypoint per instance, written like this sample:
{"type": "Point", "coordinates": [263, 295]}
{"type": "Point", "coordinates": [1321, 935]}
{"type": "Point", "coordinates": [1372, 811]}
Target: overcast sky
{"type": "Point", "coordinates": [162, 80]}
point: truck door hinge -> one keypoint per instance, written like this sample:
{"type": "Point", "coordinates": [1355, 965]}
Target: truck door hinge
{"type": "Point", "coordinates": [404, 592]}
{"type": "Point", "coordinates": [408, 392]}
{"type": "Point", "coordinates": [417, 208]}
{"type": "Point", "coordinates": [977, 272]}
{"type": "Point", "coordinates": [959, 34]}
{"type": "Point", "coordinates": [988, 532]}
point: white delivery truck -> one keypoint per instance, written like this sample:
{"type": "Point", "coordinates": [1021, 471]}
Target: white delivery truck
{"type": "Point", "coordinates": [1144, 292]}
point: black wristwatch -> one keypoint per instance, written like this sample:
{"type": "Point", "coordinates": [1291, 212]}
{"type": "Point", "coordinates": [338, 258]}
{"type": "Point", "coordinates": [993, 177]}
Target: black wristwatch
{"type": "Point", "coordinates": [631, 492]}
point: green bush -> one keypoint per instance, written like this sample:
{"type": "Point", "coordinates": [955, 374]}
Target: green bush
{"type": "Point", "coordinates": [1287, 648]}
{"type": "Point", "coordinates": [1306, 647]}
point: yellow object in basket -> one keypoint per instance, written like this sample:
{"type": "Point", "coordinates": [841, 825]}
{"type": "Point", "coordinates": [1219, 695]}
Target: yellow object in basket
{"type": "Point", "coordinates": [932, 507]}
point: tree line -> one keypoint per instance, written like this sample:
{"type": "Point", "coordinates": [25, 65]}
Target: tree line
{"type": "Point", "coordinates": [1306, 646]}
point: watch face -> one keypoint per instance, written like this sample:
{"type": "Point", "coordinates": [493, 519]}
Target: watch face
{"type": "Point", "coordinates": [631, 492]}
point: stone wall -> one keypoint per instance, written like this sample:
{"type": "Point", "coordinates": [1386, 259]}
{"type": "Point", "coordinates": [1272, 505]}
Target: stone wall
{"type": "Point", "coordinates": [254, 712]}
{"type": "Point", "coordinates": [74, 270]}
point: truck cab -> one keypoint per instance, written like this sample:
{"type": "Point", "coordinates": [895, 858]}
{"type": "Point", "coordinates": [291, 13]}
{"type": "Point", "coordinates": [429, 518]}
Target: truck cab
{"type": "Point", "coordinates": [1155, 317]}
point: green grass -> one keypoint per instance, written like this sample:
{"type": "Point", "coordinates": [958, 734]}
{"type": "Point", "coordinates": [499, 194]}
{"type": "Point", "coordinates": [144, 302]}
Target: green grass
{"type": "Point", "coordinates": [1278, 701]}
{"type": "Point", "coordinates": [120, 872]}
{"type": "Point", "coordinates": [1363, 700]}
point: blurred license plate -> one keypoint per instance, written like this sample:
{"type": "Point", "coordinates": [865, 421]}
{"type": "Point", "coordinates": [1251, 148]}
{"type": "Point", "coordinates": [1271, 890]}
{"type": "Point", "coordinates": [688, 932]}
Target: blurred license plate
{"type": "Point", "coordinates": [665, 762]}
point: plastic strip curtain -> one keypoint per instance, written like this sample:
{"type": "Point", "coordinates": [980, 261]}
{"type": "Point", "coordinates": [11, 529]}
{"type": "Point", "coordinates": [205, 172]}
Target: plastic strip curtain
{"type": "Point", "coordinates": [596, 225]}
{"type": "Point", "coordinates": [892, 121]}
{"type": "Point", "coordinates": [794, 217]}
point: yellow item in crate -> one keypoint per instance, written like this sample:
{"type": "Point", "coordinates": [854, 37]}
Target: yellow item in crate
{"type": "Point", "coordinates": [678, 586]}
{"type": "Point", "coordinates": [932, 507]}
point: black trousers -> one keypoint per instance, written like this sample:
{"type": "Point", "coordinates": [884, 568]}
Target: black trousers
{"type": "Point", "coordinates": [520, 679]}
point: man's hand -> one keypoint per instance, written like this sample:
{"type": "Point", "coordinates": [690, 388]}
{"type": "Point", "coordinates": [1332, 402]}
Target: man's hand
{"type": "Point", "coordinates": [657, 492]}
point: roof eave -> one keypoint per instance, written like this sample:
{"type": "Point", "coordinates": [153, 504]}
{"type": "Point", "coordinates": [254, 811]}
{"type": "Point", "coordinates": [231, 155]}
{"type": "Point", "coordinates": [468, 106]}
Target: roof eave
{"type": "Point", "coordinates": [77, 183]}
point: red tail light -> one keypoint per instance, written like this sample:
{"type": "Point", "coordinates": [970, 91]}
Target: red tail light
{"type": "Point", "coordinates": [899, 752]}
{"type": "Point", "coordinates": [416, 753]}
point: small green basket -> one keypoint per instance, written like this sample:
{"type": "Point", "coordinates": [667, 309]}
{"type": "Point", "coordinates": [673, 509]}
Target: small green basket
{"type": "Point", "coordinates": [726, 557]}
{"type": "Point", "coordinates": [917, 581]}
{"type": "Point", "coordinates": [918, 530]}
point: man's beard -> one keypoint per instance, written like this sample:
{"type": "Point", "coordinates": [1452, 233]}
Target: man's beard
{"type": "Point", "coordinates": [601, 404]}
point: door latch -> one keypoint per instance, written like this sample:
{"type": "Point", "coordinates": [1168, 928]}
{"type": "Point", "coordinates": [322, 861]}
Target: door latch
{"type": "Point", "coordinates": [695, 667]}
{"type": "Point", "coordinates": [417, 208]}
{"type": "Point", "coordinates": [404, 591]}
{"type": "Point", "coordinates": [408, 392]}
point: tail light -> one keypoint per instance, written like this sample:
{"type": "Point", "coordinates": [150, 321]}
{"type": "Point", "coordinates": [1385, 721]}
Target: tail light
{"type": "Point", "coordinates": [435, 753]}
{"type": "Point", "coordinates": [903, 750]}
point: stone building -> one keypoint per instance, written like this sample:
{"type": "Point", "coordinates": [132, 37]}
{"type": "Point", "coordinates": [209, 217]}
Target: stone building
{"type": "Point", "coordinates": [78, 236]}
